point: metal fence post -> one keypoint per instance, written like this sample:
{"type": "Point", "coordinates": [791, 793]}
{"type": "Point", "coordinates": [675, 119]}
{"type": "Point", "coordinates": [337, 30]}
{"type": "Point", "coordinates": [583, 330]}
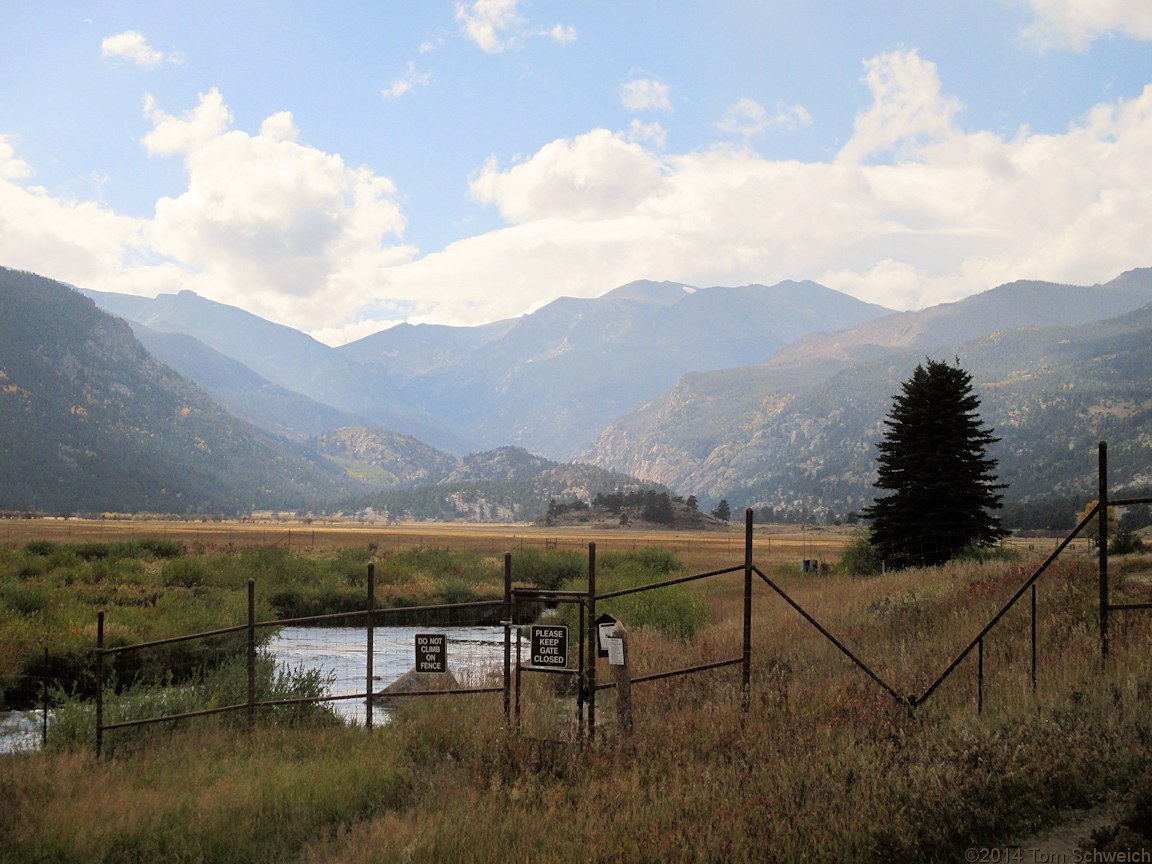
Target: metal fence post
{"type": "Point", "coordinates": [1033, 638]}
{"type": "Point", "coordinates": [1102, 515]}
{"type": "Point", "coordinates": [580, 678]}
{"type": "Point", "coordinates": [251, 654]}
{"type": "Point", "coordinates": [591, 645]}
{"type": "Point", "coordinates": [44, 716]}
{"type": "Point", "coordinates": [746, 670]}
{"type": "Point", "coordinates": [515, 609]}
{"type": "Point", "coordinates": [370, 642]}
{"type": "Point", "coordinates": [99, 682]}
{"type": "Point", "coordinates": [980, 677]}
{"type": "Point", "coordinates": [508, 623]}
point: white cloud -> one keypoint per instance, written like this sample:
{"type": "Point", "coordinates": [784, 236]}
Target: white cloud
{"type": "Point", "coordinates": [209, 119]}
{"type": "Point", "coordinates": [77, 241]}
{"type": "Point", "coordinates": [12, 168]}
{"type": "Point", "coordinates": [914, 210]}
{"type": "Point", "coordinates": [406, 82]}
{"type": "Point", "coordinates": [595, 176]}
{"type": "Point", "coordinates": [491, 24]}
{"type": "Point", "coordinates": [133, 46]}
{"type": "Point", "coordinates": [280, 127]}
{"type": "Point", "coordinates": [789, 118]}
{"type": "Point", "coordinates": [646, 94]}
{"type": "Point", "coordinates": [908, 107]}
{"type": "Point", "coordinates": [561, 33]}
{"type": "Point", "coordinates": [748, 118]}
{"type": "Point", "coordinates": [1074, 24]}
{"type": "Point", "coordinates": [280, 228]}
{"type": "Point", "coordinates": [648, 133]}
{"type": "Point", "coordinates": [497, 25]}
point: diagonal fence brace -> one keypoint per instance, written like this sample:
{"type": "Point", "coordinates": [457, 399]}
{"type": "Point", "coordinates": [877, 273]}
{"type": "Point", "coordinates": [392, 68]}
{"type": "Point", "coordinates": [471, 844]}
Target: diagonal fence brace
{"type": "Point", "coordinates": [909, 701]}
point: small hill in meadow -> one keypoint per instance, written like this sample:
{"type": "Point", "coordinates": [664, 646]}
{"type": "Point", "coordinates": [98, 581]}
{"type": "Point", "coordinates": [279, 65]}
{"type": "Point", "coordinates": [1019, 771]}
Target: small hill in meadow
{"type": "Point", "coordinates": [645, 509]}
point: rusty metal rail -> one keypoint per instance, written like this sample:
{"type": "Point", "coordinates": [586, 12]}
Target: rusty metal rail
{"type": "Point", "coordinates": [820, 628]}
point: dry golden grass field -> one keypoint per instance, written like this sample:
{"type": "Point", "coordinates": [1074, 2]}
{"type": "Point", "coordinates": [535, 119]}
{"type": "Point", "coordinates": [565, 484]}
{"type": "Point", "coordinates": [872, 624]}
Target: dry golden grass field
{"type": "Point", "coordinates": [773, 543]}
{"type": "Point", "coordinates": [823, 766]}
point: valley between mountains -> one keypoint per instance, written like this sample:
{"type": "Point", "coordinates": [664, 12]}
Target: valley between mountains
{"type": "Point", "coordinates": [771, 397]}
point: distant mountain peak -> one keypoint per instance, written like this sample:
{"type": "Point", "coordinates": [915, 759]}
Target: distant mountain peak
{"type": "Point", "coordinates": [648, 291]}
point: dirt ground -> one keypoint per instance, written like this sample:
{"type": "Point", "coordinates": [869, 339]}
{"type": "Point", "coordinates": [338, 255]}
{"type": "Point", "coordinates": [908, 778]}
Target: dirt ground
{"type": "Point", "coordinates": [1064, 843]}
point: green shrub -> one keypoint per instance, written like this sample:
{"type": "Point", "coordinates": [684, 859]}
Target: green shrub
{"type": "Point", "coordinates": [438, 564]}
{"type": "Point", "coordinates": [987, 552]}
{"type": "Point", "coordinates": [146, 547]}
{"type": "Point", "coordinates": [674, 610]}
{"type": "Point", "coordinates": [24, 598]}
{"type": "Point", "coordinates": [73, 722]}
{"type": "Point", "coordinates": [1126, 543]}
{"type": "Point", "coordinates": [184, 572]}
{"type": "Point", "coordinates": [39, 547]}
{"type": "Point", "coordinates": [457, 591]}
{"type": "Point", "coordinates": [548, 570]}
{"type": "Point", "coordinates": [655, 559]}
{"type": "Point", "coordinates": [353, 564]}
{"type": "Point", "coordinates": [860, 558]}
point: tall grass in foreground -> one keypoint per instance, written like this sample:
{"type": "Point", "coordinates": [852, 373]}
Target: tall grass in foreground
{"type": "Point", "coordinates": [823, 767]}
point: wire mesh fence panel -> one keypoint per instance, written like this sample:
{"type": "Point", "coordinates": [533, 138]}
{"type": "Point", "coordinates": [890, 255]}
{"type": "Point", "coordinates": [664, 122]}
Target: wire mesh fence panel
{"type": "Point", "coordinates": [33, 678]}
{"type": "Point", "coordinates": [473, 659]}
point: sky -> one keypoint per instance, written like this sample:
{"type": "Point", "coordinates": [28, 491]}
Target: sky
{"type": "Point", "coordinates": [343, 167]}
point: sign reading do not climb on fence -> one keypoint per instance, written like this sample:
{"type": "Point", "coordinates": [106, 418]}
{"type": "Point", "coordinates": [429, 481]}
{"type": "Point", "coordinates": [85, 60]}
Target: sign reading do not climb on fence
{"type": "Point", "coordinates": [431, 652]}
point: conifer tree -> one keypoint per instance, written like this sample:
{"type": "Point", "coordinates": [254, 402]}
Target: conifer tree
{"type": "Point", "coordinates": [933, 459]}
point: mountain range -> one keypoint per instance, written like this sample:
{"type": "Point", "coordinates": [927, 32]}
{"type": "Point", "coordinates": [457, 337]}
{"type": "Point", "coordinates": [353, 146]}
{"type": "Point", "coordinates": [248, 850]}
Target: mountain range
{"type": "Point", "coordinates": [91, 421]}
{"type": "Point", "coordinates": [798, 432]}
{"type": "Point", "coordinates": [769, 396]}
{"type": "Point", "coordinates": [550, 381]}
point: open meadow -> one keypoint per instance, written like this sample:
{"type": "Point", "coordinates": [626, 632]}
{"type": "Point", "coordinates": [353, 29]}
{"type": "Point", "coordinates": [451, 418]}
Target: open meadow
{"type": "Point", "coordinates": [824, 765]}
{"type": "Point", "coordinates": [698, 548]}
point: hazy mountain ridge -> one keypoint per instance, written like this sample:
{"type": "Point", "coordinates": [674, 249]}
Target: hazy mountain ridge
{"type": "Point", "coordinates": [500, 485]}
{"type": "Point", "coordinates": [283, 356]}
{"type": "Point", "coordinates": [765, 435]}
{"type": "Point", "coordinates": [1024, 303]}
{"type": "Point", "coordinates": [384, 458]}
{"type": "Point", "coordinates": [92, 422]}
{"type": "Point", "coordinates": [241, 391]}
{"type": "Point", "coordinates": [797, 429]}
{"type": "Point", "coordinates": [551, 380]}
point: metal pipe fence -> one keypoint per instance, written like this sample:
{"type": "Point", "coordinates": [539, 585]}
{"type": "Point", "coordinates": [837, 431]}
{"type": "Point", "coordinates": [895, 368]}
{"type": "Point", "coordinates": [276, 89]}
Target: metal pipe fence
{"type": "Point", "coordinates": [353, 677]}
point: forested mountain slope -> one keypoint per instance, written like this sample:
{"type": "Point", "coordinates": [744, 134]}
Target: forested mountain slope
{"type": "Point", "coordinates": [90, 421]}
{"type": "Point", "coordinates": [800, 431]}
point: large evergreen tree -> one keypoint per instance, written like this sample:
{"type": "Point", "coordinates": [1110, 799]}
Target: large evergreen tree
{"type": "Point", "coordinates": [933, 459]}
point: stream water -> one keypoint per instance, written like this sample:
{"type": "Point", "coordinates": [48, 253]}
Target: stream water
{"type": "Point", "coordinates": [474, 655]}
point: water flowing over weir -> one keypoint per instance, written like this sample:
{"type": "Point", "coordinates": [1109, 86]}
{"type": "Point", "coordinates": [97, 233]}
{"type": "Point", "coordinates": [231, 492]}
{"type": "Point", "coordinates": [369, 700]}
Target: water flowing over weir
{"type": "Point", "coordinates": [19, 730]}
{"type": "Point", "coordinates": [338, 654]}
